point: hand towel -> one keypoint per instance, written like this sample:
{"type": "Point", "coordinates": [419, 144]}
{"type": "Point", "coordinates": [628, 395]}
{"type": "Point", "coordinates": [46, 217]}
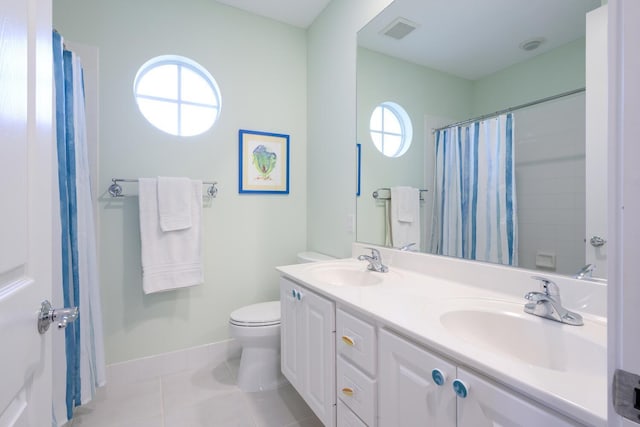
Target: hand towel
{"type": "Point", "coordinates": [406, 203]}
{"type": "Point", "coordinates": [171, 259]}
{"type": "Point", "coordinates": [405, 216]}
{"type": "Point", "coordinates": [174, 203]}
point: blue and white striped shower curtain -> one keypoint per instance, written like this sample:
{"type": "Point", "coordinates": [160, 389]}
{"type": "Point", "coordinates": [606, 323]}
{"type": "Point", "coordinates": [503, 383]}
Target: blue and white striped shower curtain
{"type": "Point", "coordinates": [78, 353]}
{"type": "Point", "coordinates": [474, 210]}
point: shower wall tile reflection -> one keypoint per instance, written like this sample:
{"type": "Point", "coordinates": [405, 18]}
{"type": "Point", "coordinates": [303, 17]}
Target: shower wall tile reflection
{"type": "Point", "coordinates": [550, 180]}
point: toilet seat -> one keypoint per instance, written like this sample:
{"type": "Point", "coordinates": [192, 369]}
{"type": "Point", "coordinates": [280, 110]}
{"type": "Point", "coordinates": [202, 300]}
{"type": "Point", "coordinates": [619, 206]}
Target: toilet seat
{"type": "Point", "coordinates": [257, 315]}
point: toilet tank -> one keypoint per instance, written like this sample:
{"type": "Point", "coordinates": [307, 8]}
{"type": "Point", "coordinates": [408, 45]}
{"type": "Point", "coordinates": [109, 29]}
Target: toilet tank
{"type": "Point", "coordinates": [312, 257]}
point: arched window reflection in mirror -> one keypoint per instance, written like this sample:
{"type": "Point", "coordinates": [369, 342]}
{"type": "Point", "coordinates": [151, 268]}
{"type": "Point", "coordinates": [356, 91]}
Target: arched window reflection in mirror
{"type": "Point", "coordinates": [391, 130]}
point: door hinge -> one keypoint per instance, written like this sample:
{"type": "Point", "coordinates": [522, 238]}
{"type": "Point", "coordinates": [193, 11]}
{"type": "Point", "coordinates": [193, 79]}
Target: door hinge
{"type": "Point", "coordinates": [626, 395]}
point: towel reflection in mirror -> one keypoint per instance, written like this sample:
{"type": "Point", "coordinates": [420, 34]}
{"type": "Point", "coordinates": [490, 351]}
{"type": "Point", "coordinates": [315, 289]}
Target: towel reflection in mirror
{"type": "Point", "coordinates": [403, 217]}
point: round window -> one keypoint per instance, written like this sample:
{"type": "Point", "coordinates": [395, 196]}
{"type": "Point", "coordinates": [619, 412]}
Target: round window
{"type": "Point", "coordinates": [391, 130]}
{"type": "Point", "coordinates": [177, 95]}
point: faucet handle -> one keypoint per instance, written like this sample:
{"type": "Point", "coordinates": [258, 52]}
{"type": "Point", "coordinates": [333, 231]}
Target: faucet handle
{"type": "Point", "coordinates": [586, 271]}
{"type": "Point", "coordinates": [375, 254]}
{"type": "Point", "coordinates": [547, 286]}
{"type": "Point", "coordinates": [407, 247]}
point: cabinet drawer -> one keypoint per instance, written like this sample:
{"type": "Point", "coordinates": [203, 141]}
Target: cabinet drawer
{"type": "Point", "coordinates": [356, 341]}
{"type": "Point", "coordinates": [357, 391]}
{"type": "Point", "coordinates": [346, 418]}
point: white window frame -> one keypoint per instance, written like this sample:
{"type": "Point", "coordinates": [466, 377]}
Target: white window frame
{"type": "Point", "coordinates": [181, 62]}
{"type": "Point", "coordinates": [406, 128]}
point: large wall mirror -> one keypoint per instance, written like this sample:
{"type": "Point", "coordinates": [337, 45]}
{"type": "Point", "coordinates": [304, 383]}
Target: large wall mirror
{"type": "Point", "coordinates": [447, 61]}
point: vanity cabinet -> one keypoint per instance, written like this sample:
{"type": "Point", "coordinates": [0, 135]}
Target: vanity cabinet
{"type": "Point", "coordinates": [356, 369]}
{"type": "Point", "coordinates": [308, 347]}
{"type": "Point", "coordinates": [417, 389]}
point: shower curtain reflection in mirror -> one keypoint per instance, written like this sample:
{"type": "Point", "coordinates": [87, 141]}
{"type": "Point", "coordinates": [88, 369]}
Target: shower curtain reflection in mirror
{"type": "Point", "coordinates": [474, 209]}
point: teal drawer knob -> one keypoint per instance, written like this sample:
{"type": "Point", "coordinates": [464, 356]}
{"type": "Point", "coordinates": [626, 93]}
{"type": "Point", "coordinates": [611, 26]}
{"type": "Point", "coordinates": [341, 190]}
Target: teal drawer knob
{"type": "Point", "coordinates": [438, 377]}
{"type": "Point", "coordinates": [460, 388]}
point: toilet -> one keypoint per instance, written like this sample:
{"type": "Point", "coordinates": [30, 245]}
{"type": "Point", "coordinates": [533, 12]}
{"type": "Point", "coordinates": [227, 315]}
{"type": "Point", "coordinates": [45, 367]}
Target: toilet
{"type": "Point", "coordinates": [256, 328]}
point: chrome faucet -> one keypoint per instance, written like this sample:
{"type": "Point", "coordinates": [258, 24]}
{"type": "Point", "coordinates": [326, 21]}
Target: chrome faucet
{"type": "Point", "coordinates": [585, 272]}
{"type": "Point", "coordinates": [375, 261]}
{"type": "Point", "coordinates": [547, 304]}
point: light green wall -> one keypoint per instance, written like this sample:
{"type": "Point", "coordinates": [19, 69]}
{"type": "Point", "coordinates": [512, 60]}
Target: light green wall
{"type": "Point", "coordinates": [260, 66]}
{"type": "Point", "coordinates": [550, 73]}
{"type": "Point", "coordinates": [421, 91]}
{"type": "Point", "coordinates": [331, 103]}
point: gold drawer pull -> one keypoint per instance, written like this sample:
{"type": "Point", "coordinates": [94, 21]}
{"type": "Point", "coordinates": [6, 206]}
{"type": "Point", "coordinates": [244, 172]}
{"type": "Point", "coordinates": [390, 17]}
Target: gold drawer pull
{"type": "Point", "coordinates": [347, 391]}
{"type": "Point", "coordinates": [348, 340]}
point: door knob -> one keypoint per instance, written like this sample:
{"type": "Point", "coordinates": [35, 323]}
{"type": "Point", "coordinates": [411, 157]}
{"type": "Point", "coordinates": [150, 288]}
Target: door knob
{"type": "Point", "coordinates": [48, 315]}
{"type": "Point", "coordinates": [460, 388]}
{"type": "Point", "coordinates": [438, 377]}
{"type": "Point", "coordinates": [597, 241]}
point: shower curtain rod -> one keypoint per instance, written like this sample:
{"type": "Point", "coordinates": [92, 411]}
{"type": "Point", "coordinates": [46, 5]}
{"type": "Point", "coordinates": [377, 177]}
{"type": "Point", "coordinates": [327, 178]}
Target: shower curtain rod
{"type": "Point", "coordinates": [510, 109]}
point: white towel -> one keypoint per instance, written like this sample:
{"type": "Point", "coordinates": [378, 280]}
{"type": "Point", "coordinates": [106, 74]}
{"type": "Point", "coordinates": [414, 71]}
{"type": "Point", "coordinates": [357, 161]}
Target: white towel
{"type": "Point", "coordinates": [405, 216]}
{"type": "Point", "coordinates": [406, 200]}
{"type": "Point", "coordinates": [171, 259]}
{"type": "Point", "coordinates": [174, 203]}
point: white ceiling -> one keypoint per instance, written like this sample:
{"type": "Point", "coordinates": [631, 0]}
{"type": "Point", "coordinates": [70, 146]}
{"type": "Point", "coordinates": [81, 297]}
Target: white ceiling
{"type": "Point", "coordinates": [466, 38]}
{"type": "Point", "coordinates": [472, 38]}
{"type": "Point", "coordinates": [300, 13]}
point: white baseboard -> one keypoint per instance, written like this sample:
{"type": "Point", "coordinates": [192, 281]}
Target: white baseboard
{"type": "Point", "coordinates": [147, 368]}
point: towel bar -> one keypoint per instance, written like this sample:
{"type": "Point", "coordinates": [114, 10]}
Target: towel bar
{"type": "Point", "coordinates": [115, 189]}
{"type": "Point", "coordinates": [376, 194]}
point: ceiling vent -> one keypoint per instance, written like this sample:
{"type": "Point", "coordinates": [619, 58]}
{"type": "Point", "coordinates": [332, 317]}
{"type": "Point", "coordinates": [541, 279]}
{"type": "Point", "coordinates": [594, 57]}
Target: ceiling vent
{"type": "Point", "coordinates": [532, 44]}
{"type": "Point", "coordinates": [399, 28]}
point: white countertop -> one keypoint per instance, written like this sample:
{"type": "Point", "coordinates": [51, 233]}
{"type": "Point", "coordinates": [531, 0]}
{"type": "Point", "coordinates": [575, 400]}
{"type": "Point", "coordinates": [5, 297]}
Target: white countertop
{"type": "Point", "coordinates": [412, 303]}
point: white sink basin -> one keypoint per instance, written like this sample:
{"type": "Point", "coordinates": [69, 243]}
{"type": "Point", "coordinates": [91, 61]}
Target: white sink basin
{"type": "Point", "coordinates": [347, 274]}
{"type": "Point", "coordinates": [503, 327]}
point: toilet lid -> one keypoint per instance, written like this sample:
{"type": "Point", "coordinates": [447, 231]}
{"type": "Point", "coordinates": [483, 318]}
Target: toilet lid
{"type": "Point", "coordinates": [262, 314]}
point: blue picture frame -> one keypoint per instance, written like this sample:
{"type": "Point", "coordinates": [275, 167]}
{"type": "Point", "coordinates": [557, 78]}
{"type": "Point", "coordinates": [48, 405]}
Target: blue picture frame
{"type": "Point", "coordinates": [358, 167]}
{"type": "Point", "coordinates": [263, 159]}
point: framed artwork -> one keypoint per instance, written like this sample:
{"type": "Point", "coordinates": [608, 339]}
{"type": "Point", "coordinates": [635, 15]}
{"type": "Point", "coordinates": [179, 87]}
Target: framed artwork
{"type": "Point", "coordinates": [358, 167]}
{"type": "Point", "coordinates": [264, 162]}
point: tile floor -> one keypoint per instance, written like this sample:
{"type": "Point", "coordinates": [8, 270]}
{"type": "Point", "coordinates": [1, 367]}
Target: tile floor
{"type": "Point", "coordinates": [197, 398]}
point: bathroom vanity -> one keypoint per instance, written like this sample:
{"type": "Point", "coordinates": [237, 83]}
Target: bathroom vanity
{"type": "Point", "coordinates": [437, 341]}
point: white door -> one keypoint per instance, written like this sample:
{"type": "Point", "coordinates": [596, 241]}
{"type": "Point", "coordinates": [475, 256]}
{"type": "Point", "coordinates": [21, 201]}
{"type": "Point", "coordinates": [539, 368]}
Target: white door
{"type": "Point", "coordinates": [25, 217]}
{"type": "Point", "coordinates": [308, 348]}
{"type": "Point", "coordinates": [289, 359]}
{"type": "Point", "coordinates": [487, 405]}
{"type": "Point", "coordinates": [408, 393]}
{"type": "Point", "coordinates": [623, 296]}
{"type": "Point", "coordinates": [317, 351]}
